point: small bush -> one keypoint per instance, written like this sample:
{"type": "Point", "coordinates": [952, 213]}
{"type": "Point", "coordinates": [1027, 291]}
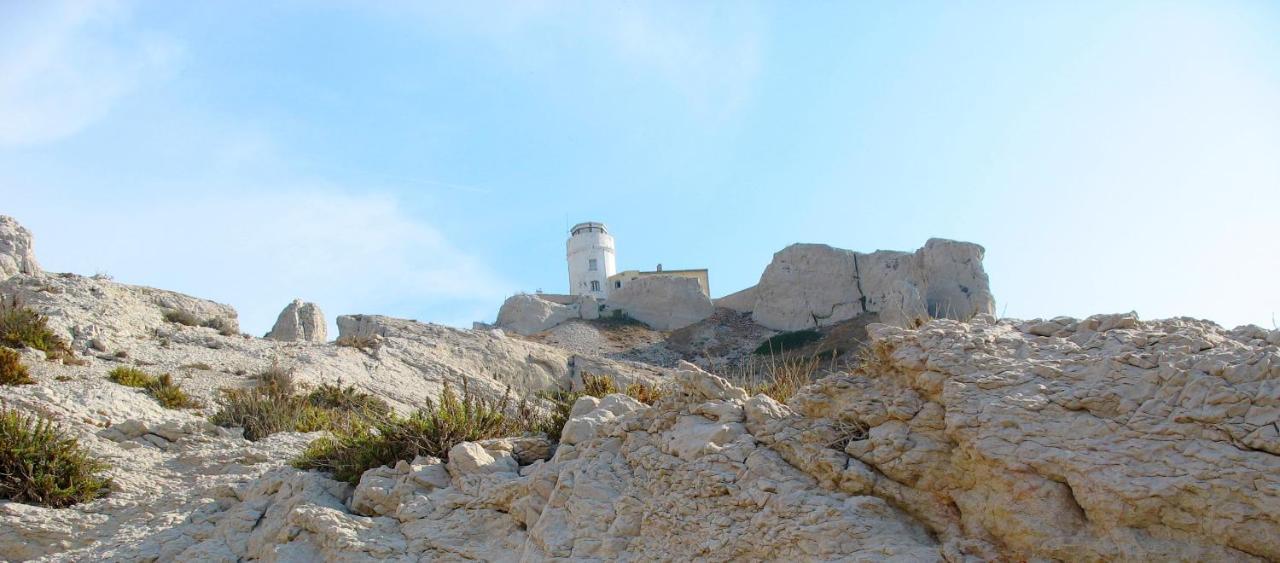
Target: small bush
{"type": "Point", "coordinates": [787, 341]}
{"type": "Point", "coordinates": [357, 342]}
{"type": "Point", "coordinates": [598, 385]}
{"type": "Point", "coordinates": [41, 465]}
{"type": "Point", "coordinates": [12, 372]}
{"type": "Point", "coordinates": [223, 326]}
{"type": "Point", "coordinates": [647, 394]}
{"type": "Point", "coordinates": [23, 327]}
{"type": "Point", "coordinates": [431, 431]}
{"type": "Point", "coordinates": [181, 317]}
{"type": "Point", "coordinates": [778, 377]}
{"type": "Point", "coordinates": [129, 376]}
{"type": "Point", "coordinates": [169, 394]}
{"type": "Point", "coordinates": [277, 405]}
{"type": "Point", "coordinates": [618, 318]}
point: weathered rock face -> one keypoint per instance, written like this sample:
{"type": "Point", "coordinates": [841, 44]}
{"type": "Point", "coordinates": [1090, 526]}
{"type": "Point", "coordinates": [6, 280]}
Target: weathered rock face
{"type": "Point", "coordinates": [17, 254]}
{"type": "Point", "coordinates": [741, 301]}
{"type": "Point", "coordinates": [99, 314]}
{"type": "Point", "coordinates": [300, 322]}
{"type": "Point", "coordinates": [813, 285]}
{"type": "Point", "coordinates": [527, 314]}
{"type": "Point", "coordinates": [662, 302]}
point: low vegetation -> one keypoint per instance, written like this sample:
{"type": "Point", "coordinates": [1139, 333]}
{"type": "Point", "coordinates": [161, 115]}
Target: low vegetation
{"type": "Point", "coordinates": [41, 465]}
{"type": "Point", "coordinates": [23, 327]}
{"type": "Point", "coordinates": [618, 318]}
{"type": "Point", "coordinates": [593, 386]}
{"type": "Point", "coordinates": [12, 372]}
{"type": "Point", "coordinates": [181, 317]}
{"type": "Point", "coordinates": [787, 341]}
{"type": "Point", "coordinates": [186, 318]}
{"type": "Point", "coordinates": [162, 388]}
{"type": "Point", "coordinates": [278, 404]}
{"type": "Point", "coordinates": [357, 342]}
{"type": "Point", "coordinates": [430, 431]}
{"type": "Point", "coordinates": [779, 377]}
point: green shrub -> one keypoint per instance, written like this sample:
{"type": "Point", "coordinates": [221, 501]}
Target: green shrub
{"type": "Point", "coordinates": [182, 317]}
{"type": "Point", "coordinates": [787, 341]}
{"type": "Point", "coordinates": [430, 431]}
{"type": "Point", "coordinates": [618, 318]}
{"type": "Point", "coordinates": [41, 465]}
{"type": "Point", "coordinates": [23, 327]}
{"type": "Point", "coordinates": [12, 372]}
{"type": "Point", "coordinates": [169, 394]}
{"type": "Point", "coordinates": [223, 326]}
{"type": "Point", "coordinates": [562, 401]}
{"type": "Point", "coordinates": [129, 376]}
{"type": "Point", "coordinates": [276, 404]}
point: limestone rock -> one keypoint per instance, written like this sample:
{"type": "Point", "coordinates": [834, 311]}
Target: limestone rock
{"type": "Point", "coordinates": [527, 314]}
{"type": "Point", "coordinates": [17, 255]}
{"type": "Point", "coordinates": [300, 322]}
{"type": "Point", "coordinates": [814, 285]}
{"type": "Point", "coordinates": [662, 302]}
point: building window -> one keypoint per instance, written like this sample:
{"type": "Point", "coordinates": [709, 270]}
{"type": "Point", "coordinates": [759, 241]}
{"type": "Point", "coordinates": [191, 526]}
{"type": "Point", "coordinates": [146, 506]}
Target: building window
{"type": "Point", "coordinates": [617, 285]}
{"type": "Point", "coordinates": [591, 265]}
{"type": "Point", "coordinates": [595, 285]}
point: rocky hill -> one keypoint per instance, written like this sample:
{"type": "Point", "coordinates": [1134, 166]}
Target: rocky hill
{"type": "Point", "coordinates": [1106, 438]}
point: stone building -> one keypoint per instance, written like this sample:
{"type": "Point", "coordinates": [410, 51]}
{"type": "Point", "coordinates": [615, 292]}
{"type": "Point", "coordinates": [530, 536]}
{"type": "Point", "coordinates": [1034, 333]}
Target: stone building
{"type": "Point", "coordinates": [593, 264]}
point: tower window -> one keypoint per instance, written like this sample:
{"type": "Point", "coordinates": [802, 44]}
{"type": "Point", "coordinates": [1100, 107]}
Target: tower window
{"type": "Point", "coordinates": [617, 285]}
{"type": "Point", "coordinates": [595, 285]}
{"type": "Point", "coordinates": [591, 264]}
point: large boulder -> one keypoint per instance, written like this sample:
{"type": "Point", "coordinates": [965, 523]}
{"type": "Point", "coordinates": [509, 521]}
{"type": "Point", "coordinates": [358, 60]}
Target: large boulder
{"type": "Point", "coordinates": [17, 255]}
{"type": "Point", "coordinates": [813, 285]}
{"type": "Point", "coordinates": [741, 301]}
{"type": "Point", "coordinates": [528, 314]}
{"type": "Point", "coordinates": [662, 302]}
{"type": "Point", "coordinates": [300, 322]}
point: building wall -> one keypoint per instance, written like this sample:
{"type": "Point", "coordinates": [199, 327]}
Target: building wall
{"type": "Point", "coordinates": [620, 280]}
{"type": "Point", "coordinates": [592, 241]}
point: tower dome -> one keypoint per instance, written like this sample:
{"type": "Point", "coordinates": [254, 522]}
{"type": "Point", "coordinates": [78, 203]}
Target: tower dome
{"type": "Point", "coordinates": [591, 259]}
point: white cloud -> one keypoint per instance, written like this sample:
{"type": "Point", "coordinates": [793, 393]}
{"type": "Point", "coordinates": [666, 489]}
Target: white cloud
{"type": "Point", "coordinates": [63, 65]}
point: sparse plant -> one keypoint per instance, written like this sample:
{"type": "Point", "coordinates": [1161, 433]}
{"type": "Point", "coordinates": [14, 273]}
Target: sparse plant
{"type": "Point", "coordinates": [162, 388]}
{"type": "Point", "coordinates": [12, 372]}
{"type": "Point", "coordinates": [129, 376]}
{"type": "Point", "coordinates": [121, 354]}
{"type": "Point", "coordinates": [277, 404]}
{"type": "Point", "coordinates": [598, 385]}
{"type": "Point", "coordinates": [430, 431]}
{"type": "Point", "coordinates": [618, 318]}
{"type": "Point", "coordinates": [197, 365]}
{"type": "Point", "coordinates": [223, 326]}
{"type": "Point", "coordinates": [41, 465]}
{"type": "Point", "coordinates": [779, 377]}
{"type": "Point", "coordinates": [181, 317]}
{"type": "Point", "coordinates": [645, 393]}
{"type": "Point", "coordinates": [22, 326]}
{"type": "Point", "coordinates": [357, 342]}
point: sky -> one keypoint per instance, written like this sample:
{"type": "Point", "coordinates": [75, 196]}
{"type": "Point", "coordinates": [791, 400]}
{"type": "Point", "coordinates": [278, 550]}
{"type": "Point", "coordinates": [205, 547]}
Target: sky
{"type": "Point", "coordinates": [425, 160]}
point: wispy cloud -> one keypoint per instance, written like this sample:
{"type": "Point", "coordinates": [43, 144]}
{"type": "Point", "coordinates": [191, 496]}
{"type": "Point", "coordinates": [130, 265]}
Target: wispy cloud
{"type": "Point", "coordinates": [64, 64]}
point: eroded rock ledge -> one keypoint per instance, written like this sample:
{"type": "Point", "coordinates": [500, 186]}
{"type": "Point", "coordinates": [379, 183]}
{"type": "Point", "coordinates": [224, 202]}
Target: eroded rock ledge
{"type": "Point", "coordinates": [1100, 439]}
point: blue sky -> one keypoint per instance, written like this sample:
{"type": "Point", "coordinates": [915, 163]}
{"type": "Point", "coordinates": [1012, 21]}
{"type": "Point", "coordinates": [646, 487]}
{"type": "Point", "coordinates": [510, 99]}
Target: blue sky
{"type": "Point", "coordinates": [424, 160]}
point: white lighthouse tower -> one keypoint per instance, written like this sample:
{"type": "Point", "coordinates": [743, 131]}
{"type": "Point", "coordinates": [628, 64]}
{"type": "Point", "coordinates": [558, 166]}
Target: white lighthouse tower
{"type": "Point", "coordinates": [591, 259]}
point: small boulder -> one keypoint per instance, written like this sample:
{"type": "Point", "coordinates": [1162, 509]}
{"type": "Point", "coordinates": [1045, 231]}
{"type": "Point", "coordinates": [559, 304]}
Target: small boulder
{"type": "Point", "coordinates": [300, 322]}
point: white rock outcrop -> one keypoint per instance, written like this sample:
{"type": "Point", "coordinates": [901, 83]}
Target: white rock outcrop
{"type": "Point", "coordinates": [662, 302]}
{"type": "Point", "coordinates": [527, 314]}
{"type": "Point", "coordinates": [814, 285]}
{"type": "Point", "coordinates": [300, 322]}
{"type": "Point", "coordinates": [17, 253]}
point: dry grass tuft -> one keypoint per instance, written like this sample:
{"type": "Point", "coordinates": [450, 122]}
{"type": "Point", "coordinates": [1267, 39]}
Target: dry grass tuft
{"type": "Point", "coordinates": [169, 394]}
{"type": "Point", "coordinates": [12, 372]}
{"type": "Point", "coordinates": [278, 404]}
